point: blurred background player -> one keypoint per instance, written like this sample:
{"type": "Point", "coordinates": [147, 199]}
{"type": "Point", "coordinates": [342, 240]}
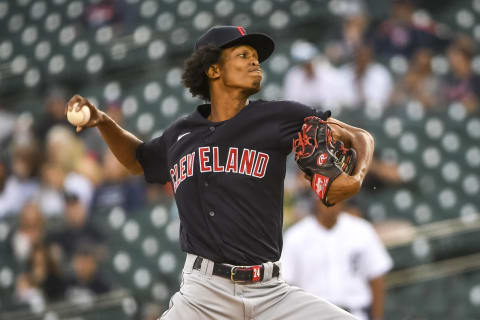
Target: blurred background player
{"type": "Point", "coordinates": [339, 257]}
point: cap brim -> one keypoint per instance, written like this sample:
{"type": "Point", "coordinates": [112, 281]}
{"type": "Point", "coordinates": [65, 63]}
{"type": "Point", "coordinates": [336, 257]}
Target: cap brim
{"type": "Point", "coordinates": [259, 41]}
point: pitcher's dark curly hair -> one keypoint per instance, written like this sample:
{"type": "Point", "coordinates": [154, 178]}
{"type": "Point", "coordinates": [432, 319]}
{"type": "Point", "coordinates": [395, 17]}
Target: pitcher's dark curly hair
{"type": "Point", "coordinates": [194, 68]}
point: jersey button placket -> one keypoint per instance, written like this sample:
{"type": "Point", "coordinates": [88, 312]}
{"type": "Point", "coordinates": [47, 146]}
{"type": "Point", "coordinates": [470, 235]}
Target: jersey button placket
{"type": "Point", "coordinates": [209, 136]}
{"type": "Point", "coordinates": [211, 213]}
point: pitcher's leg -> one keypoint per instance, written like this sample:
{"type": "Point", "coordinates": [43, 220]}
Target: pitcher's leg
{"type": "Point", "coordinates": [180, 309]}
{"type": "Point", "coordinates": [204, 298]}
{"type": "Point", "coordinates": [284, 302]}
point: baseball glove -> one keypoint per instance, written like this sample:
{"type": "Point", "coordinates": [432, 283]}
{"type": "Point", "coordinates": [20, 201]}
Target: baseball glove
{"type": "Point", "coordinates": [321, 157]}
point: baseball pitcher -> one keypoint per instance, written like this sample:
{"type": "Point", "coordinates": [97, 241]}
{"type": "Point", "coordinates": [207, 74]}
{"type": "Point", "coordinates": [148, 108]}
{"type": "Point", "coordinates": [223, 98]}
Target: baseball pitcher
{"type": "Point", "coordinates": [226, 162]}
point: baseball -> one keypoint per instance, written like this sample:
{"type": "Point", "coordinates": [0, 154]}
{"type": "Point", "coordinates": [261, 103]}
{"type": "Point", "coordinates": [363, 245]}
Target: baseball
{"type": "Point", "coordinates": [79, 118]}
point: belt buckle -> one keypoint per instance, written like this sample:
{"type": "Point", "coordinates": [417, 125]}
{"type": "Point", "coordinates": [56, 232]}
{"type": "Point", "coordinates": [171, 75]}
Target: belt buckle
{"type": "Point", "coordinates": [254, 269]}
{"type": "Point", "coordinates": [233, 272]}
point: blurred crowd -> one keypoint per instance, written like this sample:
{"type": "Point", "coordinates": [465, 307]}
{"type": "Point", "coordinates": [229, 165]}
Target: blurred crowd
{"type": "Point", "coordinates": [353, 70]}
{"type": "Point", "coordinates": [53, 180]}
{"type": "Point", "coordinates": [406, 58]}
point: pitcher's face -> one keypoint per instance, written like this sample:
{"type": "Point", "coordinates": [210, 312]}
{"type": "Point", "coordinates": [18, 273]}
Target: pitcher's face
{"type": "Point", "coordinates": [239, 68]}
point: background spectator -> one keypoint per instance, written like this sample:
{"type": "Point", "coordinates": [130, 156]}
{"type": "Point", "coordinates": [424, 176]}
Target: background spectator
{"type": "Point", "coordinates": [401, 34]}
{"type": "Point", "coordinates": [7, 124]}
{"type": "Point", "coordinates": [44, 272]}
{"type": "Point", "coordinates": [365, 82]}
{"type": "Point", "coordinates": [28, 295]}
{"type": "Point", "coordinates": [86, 281]}
{"type": "Point", "coordinates": [22, 183]}
{"type": "Point", "coordinates": [30, 232]}
{"type": "Point", "coordinates": [54, 113]}
{"type": "Point", "coordinates": [50, 194]}
{"type": "Point", "coordinates": [419, 83]}
{"type": "Point", "coordinates": [77, 229]}
{"type": "Point", "coordinates": [113, 13]}
{"type": "Point", "coordinates": [118, 188]}
{"type": "Point", "coordinates": [462, 85]}
{"type": "Point", "coordinates": [353, 36]}
{"type": "Point", "coordinates": [314, 81]}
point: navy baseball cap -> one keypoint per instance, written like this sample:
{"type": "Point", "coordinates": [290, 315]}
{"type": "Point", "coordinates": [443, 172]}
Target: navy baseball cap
{"type": "Point", "coordinates": [229, 36]}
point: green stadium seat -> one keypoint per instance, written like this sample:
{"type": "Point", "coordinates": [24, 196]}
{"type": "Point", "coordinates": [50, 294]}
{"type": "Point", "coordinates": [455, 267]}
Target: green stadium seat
{"type": "Point", "coordinates": [262, 8]}
{"type": "Point", "coordinates": [6, 49]}
{"type": "Point", "coordinates": [67, 35]}
{"type": "Point", "coordinates": [224, 8]}
{"type": "Point", "coordinates": [142, 35]}
{"type": "Point", "coordinates": [465, 18]}
{"type": "Point", "coordinates": [4, 9]}
{"type": "Point", "coordinates": [156, 49]}
{"type": "Point", "coordinates": [186, 8]}
{"type": "Point", "coordinates": [29, 35]}
{"type": "Point", "coordinates": [57, 64]}
{"type": "Point", "coordinates": [95, 63]}
{"type": "Point", "coordinates": [169, 107]}
{"type": "Point", "coordinates": [165, 21]}
{"type": "Point", "coordinates": [469, 212]}
{"type": "Point", "coordinates": [278, 64]}
{"type": "Point", "coordinates": [75, 10]}
{"type": "Point", "coordinates": [16, 23]}
{"type": "Point", "coordinates": [423, 213]}
{"type": "Point", "coordinates": [148, 9]}
{"type": "Point", "coordinates": [279, 19]}
{"type": "Point", "coordinates": [129, 106]}
{"type": "Point", "coordinates": [43, 50]}
{"type": "Point", "coordinates": [112, 91]}
{"type": "Point", "coordinates": [38, 10]}
{"type": "Point", "coordinates": [145, 123]}
{"type": "Point", "coordinates": [53, 21]}
{"type": "Point", "coordinates": [473, 128]}
{"type": "Point", "coordinates": [434, 128]}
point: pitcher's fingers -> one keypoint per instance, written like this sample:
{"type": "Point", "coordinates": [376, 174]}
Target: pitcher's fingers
{"type": "Point", "coordinates": [77, 99]}
{"type": "Point", "coordinates": [72, 102]}
{"type": "Point", "coordinates": [69, 106]}
{"type": "Point", "coordinates": [79, 104]}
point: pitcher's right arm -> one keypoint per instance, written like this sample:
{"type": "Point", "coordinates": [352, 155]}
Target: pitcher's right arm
{"type": "Point", "coordinates": [122, 143]}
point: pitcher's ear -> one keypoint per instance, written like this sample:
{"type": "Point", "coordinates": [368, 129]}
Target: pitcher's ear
{"type": "Point", "coordinates": [213, 71]}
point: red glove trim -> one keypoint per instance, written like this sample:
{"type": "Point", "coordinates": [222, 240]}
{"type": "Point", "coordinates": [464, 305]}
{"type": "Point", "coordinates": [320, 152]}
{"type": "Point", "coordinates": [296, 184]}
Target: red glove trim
{"type": "Point", "coordinates": [320, 185]}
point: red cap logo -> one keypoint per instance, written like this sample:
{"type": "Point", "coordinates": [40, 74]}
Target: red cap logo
{"type": "Point", "coordinates": [242, 31]}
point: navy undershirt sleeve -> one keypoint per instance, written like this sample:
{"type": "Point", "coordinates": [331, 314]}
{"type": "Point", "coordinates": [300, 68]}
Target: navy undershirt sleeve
{"type": "Point", "coordinates": [152, 156]}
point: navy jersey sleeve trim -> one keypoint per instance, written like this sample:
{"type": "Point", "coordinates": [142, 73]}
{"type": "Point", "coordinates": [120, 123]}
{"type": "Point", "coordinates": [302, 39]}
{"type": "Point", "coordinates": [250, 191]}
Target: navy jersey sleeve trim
{"type": "Point", "coordinates": [138, 154]}
{"type": "Point", "coordinates": [141, 160]}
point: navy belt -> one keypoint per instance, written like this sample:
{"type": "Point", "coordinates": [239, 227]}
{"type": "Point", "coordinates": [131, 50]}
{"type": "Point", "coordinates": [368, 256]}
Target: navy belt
{"type": "Point", "coordinates": [238, 274]}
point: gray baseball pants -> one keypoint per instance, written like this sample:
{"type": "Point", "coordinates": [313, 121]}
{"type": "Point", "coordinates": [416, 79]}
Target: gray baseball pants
{"type": "Point", "coordinates": [205, 296]}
